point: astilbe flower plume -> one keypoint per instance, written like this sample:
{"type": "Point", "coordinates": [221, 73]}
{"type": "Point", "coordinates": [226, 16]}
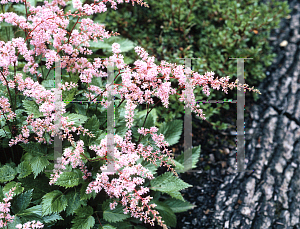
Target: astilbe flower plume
{"type": "Point", "coordinates": [139, 85]}
{"type": "Point", "coordinates": [4, 209]}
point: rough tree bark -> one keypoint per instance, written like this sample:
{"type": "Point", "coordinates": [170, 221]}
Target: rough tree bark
{"type": "Point", "coordinates": [269, 197]}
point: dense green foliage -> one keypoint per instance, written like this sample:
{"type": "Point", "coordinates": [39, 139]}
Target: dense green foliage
{"type": "Point", "coordinates": [66, 202]}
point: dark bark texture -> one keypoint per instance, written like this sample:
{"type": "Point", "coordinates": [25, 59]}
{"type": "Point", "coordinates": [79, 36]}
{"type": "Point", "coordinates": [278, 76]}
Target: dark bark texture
{"type": "Point", "coordinates": [269, 196]}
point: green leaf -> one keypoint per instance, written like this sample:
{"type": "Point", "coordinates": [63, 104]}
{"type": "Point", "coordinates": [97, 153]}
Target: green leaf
{"type": "Point", "coordinates": [31, 107]}
{"type": "Point", "coordinates": [24, 169]}
{"type": "Point", "coordinates": [76, 118]}
{"type": "Point", "coordinates": [74, 202]}
{"type": "Point", "coordinates": [69, 179]}
{"type": "Point", "coordinates": [35, 149]}
{"type": "Point", "coordinates": [172, 131]}
{"type": "Point", "coordinates": [122, 225]}
{"type": "Point", "coordinates": [148, 165]}
{"type": "Point", "coordinates": [2, 133]}
{"type": "Point", "coordinates": [166, 213]}
{"type": "Point", "coordinates": [80, 108]}
{"type": "Point", "coordinates": [12, 184]}
{"type": "Point", "coordinates": [139, 227]}
{"type": "Point", "coordinates": [1, 193]}
{"type": "Point", "coordinates": [167, 183]}
{"type": "Point", "coordinates": [13, 224]}
{"type": "Point", "coordinates": [48, 84]}
{"type": "Point", "coordinates": [151, 119]}
{"type": "Point", "coordinates": [7, 173]}
{"type": "Point", "coordinates": [113, 216]}
{"type": "Point", "coordinates": [19, 8]}
{"type": "Point", "coordinates": [83, 195]}
{"type": "Point", "coordinates": [38, 164]}
{"type": "Point", "coordinates": [107, 226]}
{"type": "Point", "coordinates": [32, 2]}
{"type": "Point", "coordinates": [50, 218]}
{"type": "Point", "coordinates": [54, 202]}
{"type": "Point", "coordinates": [22, 202]}
{"type": "Point", "coordinates": [69, 95]}
{"type": "Point", "coordinates": [178, 206]}
{"type": "Point", "coordinates": [93, 126]}
{"type": "Point", "coordinates": [84, 218]}
{"type": "Point", "coordinates": [179, 161]}
{"type": "Point", "coordinates": [176, 195]}
{"type": "Point", "coordinates": [125, 44]}
{"type": "Point", "coordinates": [33, 213]}
{"type": "Point", "coordinates": [40, 186]}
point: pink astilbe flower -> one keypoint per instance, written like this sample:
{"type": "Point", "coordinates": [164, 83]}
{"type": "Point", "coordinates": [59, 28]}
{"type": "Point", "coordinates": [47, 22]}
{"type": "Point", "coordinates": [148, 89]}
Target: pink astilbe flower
{"type": "Point", "coordinates": [73, 158]}
{"type": "Point", "coordinates": [116, 48]}
{"type": "Point", "coordinates": [5, 108]}
{"type": "Point", "coordinates": [32, 224]}
{"type": "Point", "coordinates": [4, 209]}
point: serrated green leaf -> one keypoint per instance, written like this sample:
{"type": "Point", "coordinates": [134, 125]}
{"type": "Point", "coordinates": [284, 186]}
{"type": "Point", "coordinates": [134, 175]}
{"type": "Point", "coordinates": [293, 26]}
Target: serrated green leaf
{"type": "Point", "coordinates": [7, 173]}
{"type": "Point", "coordinates": [48, 84]}
{"type": "Point", "coordinates": [76, 118]}
{"type": "Point", "coordinates": [172, 131]}
{"type": "Point", "coordinates": [33, 213]}
{"type": "Point", "coordinates": [50, 218]}
{"type": "Point", "coordinates": [13, 224]}
{"type": "Point", "coordinates": [107, 226]}
{"type": "Point", "coordinates": [69, 95]}
{"type": "Point", "coordinates": [167, 182]}
{"type": "Point", "coordinates": [176, 195]}
{"type": "Point", "coordinates": [113, 216]}
{"type": "Point", "coordinates": [40, 186]}
{"type": "Point", "coordinates": [83, 195]}
{"type": "Point", "coordinates": [31, 107]}
{"type": "Point", "coordinates": [22, 202]}
{"type": "Point", "coordinates": [166, 213]}
{"type": "Point", "coordinates": [12, 184]}
{"type": "Point", "coordinates": [54, 202]}
{"type": "Point", "coordinates": [84, 218]}
{"type": "Point", "coordinates": [69, 179]}
{"type": "Point", "coordinates": [80, 108]}
{"type": "Point", "coordinates": [38, 164]}
{"type": "Point", "coordinates": [178, 206]}
{"type": "Point", "coordinates": [24, 169]}
{"type": "Point", "coordinates": [179, 161]}
{"type": "Point", "coordinates": [93, 126]}
{"type": "Point", "coordinates": [35, 149]}
{"type": "Point", "coordinates": [74, 202]}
